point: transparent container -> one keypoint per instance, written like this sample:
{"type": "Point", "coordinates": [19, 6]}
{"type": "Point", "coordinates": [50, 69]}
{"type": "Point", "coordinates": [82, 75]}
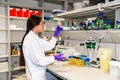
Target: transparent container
{"type": "Point", "coordinates": [105, 57]}
{"type": "Point", "coordinates": [115, 70]}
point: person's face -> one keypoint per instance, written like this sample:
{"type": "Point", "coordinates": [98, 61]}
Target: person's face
{"type": "Point", "coordinates": [40, 27]}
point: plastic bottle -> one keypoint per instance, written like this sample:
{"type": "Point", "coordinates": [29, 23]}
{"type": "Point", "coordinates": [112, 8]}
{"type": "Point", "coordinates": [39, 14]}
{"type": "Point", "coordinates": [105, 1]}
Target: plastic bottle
{"type": "Point", "coordinates": [81, 26]}
{"type": "Point", "coordinates": [99, 21]}
{"type": "Point", "coordinates": [108, 25]}
{"type": "Point", "coordinates": [117, 26]}
{"type": "Point", "coordinates": [105, 57]}
{"type": "Point", "coordinates": [89, 26]}
{"type": "Point", "coordinates": [93, 24]}
{"type": "Point", "coordinates": [87, 62]}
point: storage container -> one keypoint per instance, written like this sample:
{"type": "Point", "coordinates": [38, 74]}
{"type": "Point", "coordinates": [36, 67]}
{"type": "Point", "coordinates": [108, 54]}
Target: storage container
{"type": "Point", "coordinates": [19, 12]}
{"type": "Point", "coordinates": [25, 13]}
{"type": "Point", "coordinates": [115, 70]}
{"type": "Point", "coordinates": [12, 12]}
{"type": "Point", "coordinates": [38, 13]}
{"type": "Point", "coordinates": [105, 57]}
{"type": "Point", "coordinates": [32, 12]}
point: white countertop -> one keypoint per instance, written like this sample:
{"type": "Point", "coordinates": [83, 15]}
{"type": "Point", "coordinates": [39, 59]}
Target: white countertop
{"type": "Point", "coordinates": [69, 72]}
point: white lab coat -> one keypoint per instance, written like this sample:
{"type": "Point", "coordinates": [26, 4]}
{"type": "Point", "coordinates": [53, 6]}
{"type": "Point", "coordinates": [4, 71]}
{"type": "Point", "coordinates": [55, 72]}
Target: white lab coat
{"type": "Point", "coordinates": [36, 61]}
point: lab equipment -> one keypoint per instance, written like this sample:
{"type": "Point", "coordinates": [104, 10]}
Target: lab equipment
{"type": "Point", "coordinates": [72, 61]}
{"type": "Point", "coordinates": [59, 57]}
{"type": "Point", "coordinates": [105, 57]}
{"type": "Point", "coordinates": [99, 21]}
{"type": "Point", "coordinates": [115, 69]}
{"type": "Point", "coordinates": [93, 25]}
{"type": "Point", "coordinates": [87, 62]}
{"type": "Point", "coordinates": [82, 25]}
{"type": "Point", "coordinates": [82, 48]}
{"type": "Point", "coordinates": [117, 26]}
{"type": "Point", "coordinates": [106, 24]}
{"type": "Point", "coordinates": [90, 45]}
{"type": "Point", "coordinates": [76, 62]}
{"type": "Point", "coordinates": [57, 31]}
{"type": "Point", "coordinates": [89, 26]}
{"type": "Point", "coordinates": [79, 63]}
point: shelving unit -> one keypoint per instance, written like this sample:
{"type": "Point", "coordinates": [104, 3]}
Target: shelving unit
{"type": "Point", "coordinates": [4, 67]}
{"type": "Point", "coordinates": [12, 35]}
{"type": "Point", "coordinates": [90, 10]}
{"type": "Point", "coordinates": [4, 56]}
{"type": "Point", "coordinates": [18, 18]}
{"type": "Point", "coordinates": [19, 68]}
{"type": "Point", "coordinates": [4, 43]}
{"type": "Point", "coordinates": [15, 55]}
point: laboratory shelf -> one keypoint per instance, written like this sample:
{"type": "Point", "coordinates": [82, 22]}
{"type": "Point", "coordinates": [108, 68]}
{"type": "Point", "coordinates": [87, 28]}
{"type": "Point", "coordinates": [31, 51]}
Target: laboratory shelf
{"type": "Point", "coordinates": [15, 41]}
{"type": "Point", "coordinates": [89, 10]}
{"type": "Point", "coordinates": [3, 29]}
{"type": "Point", "coordinates": [4, 67]}
{"type": "Point", "coordinates": [4, 70]}
{"type": "Point", "coordinates": [19, 5]}
{"type": "Point", "coordinates": [4, 42]}
{"type": "Point", "coordinates": [18, 18]}
{"type": "Point", "coordinates": [15, 55]}
{"type": "Point", "coordinates": [19, 68]}
{"type": "Point", "coordinates": [17, 29]}
{"type": "Point", "coordinates": [1, 16]}
{"type": "Point", "coordinates": [4, 56]}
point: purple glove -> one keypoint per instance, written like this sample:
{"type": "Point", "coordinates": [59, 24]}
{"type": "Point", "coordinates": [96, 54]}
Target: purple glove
{"type": "Point", "coordinates": [57, 31]}
{"type": "Point", "coordinates": [59, 57]}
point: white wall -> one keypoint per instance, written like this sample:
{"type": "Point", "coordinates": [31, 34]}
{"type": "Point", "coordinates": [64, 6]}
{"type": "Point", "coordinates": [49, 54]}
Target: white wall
{"type": "Point", "coordinates": [50, 6]}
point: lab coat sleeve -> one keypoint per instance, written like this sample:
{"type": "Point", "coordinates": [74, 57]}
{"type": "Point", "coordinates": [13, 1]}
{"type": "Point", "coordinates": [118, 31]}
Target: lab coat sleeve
{"type": "Point", "coordinates": [48, 45]}
{"type": "Point", "coordinates": [35, 57]}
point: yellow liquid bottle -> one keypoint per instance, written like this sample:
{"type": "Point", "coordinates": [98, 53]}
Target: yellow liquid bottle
{"type": "Point", "coordinates": [105, 57]}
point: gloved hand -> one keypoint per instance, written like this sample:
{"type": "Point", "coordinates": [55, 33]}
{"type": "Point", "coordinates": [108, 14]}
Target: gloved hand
{"type": "Point", "coordinates": [59, 57]}
{"type": "Point", "coordinates": [57, 31]}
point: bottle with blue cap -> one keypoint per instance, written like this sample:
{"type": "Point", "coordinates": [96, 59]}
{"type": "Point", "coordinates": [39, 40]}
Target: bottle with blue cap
{"type": "Point", "coordinates": [93, 25]}
{"type": "Point", "coordinates": [99, 21]}
{"type": "Point", "coordinates": [87, 62]}
{"type": "Point", "coordinates": [117, 26]}
{"type": "Point", "coordinates": [106, 24]}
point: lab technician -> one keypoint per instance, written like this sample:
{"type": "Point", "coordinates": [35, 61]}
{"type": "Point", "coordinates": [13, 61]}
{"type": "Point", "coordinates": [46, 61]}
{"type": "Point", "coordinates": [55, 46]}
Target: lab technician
{"type": "Point", "coordinates": [34, 47]}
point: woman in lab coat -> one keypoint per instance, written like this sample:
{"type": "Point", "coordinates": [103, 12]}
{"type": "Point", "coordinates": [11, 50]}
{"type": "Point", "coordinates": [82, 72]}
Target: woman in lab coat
{"type": "Point", "coordinates": [34, 47]}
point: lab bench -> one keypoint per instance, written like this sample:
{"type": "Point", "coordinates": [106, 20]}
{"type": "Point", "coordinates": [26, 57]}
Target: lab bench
{"type": "Point", "coordinates": [71, 72]}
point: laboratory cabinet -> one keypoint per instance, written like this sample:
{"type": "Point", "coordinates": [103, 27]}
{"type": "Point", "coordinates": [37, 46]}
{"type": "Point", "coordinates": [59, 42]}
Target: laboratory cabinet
{"type": "Point", "coordinates": [13, 19]}
{"type": "Point", "coordinates": [4, 43]}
